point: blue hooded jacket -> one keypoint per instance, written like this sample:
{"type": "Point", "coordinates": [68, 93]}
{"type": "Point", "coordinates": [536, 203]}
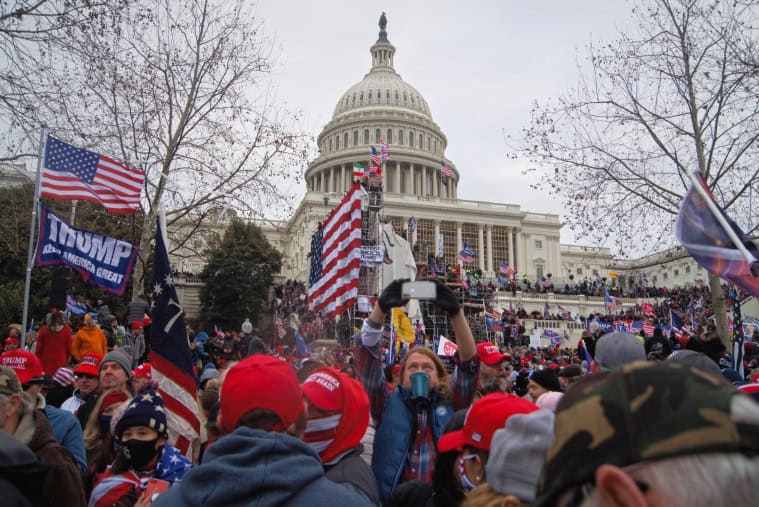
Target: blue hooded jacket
{"type": "Point", "coordinates": [259, 468]}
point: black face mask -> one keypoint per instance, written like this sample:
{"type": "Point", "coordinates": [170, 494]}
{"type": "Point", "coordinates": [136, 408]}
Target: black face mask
{"type": "Point", "coordinates": [139, 452]}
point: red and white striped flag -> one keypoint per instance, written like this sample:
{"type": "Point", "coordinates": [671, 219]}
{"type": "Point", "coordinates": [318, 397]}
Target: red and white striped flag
{"type": "Point", "coordinates": [70, 173]}
{"type": "Point", "coordinates": [648, 328]}
{"type": "Point", "coordinates": [336, 258]}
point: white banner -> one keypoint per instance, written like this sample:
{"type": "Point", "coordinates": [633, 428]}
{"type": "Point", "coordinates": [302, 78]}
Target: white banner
{"type": "Point", "coordinates": [446, 347]}
{"type": "Point", "coordinates": [372, 256]}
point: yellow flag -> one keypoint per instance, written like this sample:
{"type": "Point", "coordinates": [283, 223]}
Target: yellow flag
{"type": "Point", "coordinates": [403, 328]}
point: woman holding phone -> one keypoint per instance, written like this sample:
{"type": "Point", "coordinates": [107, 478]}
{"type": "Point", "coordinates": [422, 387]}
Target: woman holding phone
{"type": "Point", "coordinates": [144, 459]}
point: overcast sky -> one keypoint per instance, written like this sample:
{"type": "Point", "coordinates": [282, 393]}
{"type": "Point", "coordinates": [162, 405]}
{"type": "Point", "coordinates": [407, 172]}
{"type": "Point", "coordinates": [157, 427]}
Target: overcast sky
{"type": "Point", "coordinates": [480, 65]}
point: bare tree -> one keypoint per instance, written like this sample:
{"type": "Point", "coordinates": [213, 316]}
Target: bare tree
{"type": "Point", "coordinates": [178, 88]}
{"type": "Point", "coordinates": [668, 98]}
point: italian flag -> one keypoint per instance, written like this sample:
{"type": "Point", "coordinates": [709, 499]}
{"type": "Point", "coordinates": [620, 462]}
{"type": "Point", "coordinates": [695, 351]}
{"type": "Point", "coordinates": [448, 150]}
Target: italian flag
{"type": "Point", "coordinates": [358, 170]}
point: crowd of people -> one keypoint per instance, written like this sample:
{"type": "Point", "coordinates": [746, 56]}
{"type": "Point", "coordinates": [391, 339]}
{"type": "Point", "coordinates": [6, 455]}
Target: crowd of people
{"type": "Point", "coordinates": [621, 419]}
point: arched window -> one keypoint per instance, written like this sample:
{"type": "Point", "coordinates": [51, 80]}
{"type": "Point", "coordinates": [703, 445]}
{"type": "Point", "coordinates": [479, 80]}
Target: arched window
{"type": "Point", "coordinates": [411, 138]}
{"type": "Point", "coordinates": [389, 138]}
{"type": "Point", "coordinates": [379, 94]}
{"type": "Point", "coordinates": [370, 95]}
{"type": "Point", "coordinates": [387, 94]}
{"type": "Point", "coordinates": [355, 138]}
{"type": "Point", "coordinates": [330, 144]}
{"type": "Point", "coordinates": [435, 145]}
{"type": "Point", "coordinates": [377, 136]}
{"type": "Point", "coordinates": [396, 95]}
{"type": "Point", "coordinates": [400, 137]}
{"type": "Point", "coordinates": [429, 143]}
{"type": "Point", "coordinates": [413, 102]}
{"type": "Point", "coordinates": [421, 142]}
{"type": "Point", "coordinates": [366, 136]}
{"type": "Point", "coordinates": [337, 142]}
{"type": "Point", "coordinates": [361, 98]}
{"type": "Point", "coordinates": [404, 97]}
{"type": "Point", "coordinates": [353, 100]}
{"type": "Point", "coordinates": [345, 140]}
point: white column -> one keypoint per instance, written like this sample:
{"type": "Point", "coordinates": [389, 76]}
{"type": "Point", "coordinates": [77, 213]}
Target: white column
{"type": "Point", "coordinates": [343, 185]}
{"type": "Point", "coordinates": [412, 178]}
{"type": "Point", "coordinates": [521, 265]}
{"type": "Point", "coordinates": [511, 248]}
{"type": "Point", "coordinates": [424, 180]}
{"type": "Point", "coordinates": [321, 181]}
{"type": "Point", "coordinates": [481, 246]}
{"type": "Point", "coordinates": [436, 183]}
{"type": "Point", "coordinates": [397, 183]}
{"type": "Point", "coordinates": [459, 236]}
{"type": "Point", "coordinates": [414, 234]}
{"type": "Point", "coordinates": [489, 242]}
{"type": "Point", "coordinates": [437, 237]}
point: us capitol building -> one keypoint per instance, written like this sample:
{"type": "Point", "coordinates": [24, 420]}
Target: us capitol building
{"type": "Point", "coordinates": [382, 106]}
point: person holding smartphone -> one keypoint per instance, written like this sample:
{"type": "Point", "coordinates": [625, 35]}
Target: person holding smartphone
{"type": "Point", "coordinates": [142, 455]}
{"type": "Point", "coordinates": [411, 418]}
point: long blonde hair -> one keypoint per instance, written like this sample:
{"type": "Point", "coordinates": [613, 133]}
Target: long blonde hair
{"type": "Point", "coordinates": [442, 373]}
{"type": "Point", "coordinates": [92, 437]}
{"type": "Point", "coordinates": [483, 496]}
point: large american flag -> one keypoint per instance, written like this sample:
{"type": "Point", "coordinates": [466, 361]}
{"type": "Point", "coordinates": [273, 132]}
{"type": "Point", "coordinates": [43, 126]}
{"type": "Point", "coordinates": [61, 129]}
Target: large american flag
{"type": "Point", "coordinates": [170, 352]}
{"type": "Point", "coordinates": [72, 173]}
{"type": "Point", "coordinates": [336, 258]}
{"type": "Point", "coordinates": [375, 160]}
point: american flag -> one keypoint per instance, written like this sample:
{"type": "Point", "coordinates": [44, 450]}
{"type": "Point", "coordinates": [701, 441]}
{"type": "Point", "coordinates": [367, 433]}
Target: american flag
{"type": "Point", "coordinates": [72, 173]}
{"type": "Point", "coordinates": [506, 269]}
{"type": "Point", "coordinates": [609, 300]}
{"type": "Point", "coordinates": [466, 254]}
{"type": "Point", "coordinates": [170, 352]}
{"type": "Point", "coordinates": [445, 169]}
{"type": "Point", "coordinates": [375, 160]}
{"type": "Point", "coordinates": [336, 258]}
{"type": "Point", "coordinates": [648, 328]}
{"type": "Point", "coordinates": [384, 150]}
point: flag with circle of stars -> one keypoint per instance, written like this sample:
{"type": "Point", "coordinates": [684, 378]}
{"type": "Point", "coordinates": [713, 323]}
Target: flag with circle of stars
{"type": "Point", "coordinates": [170, 353]}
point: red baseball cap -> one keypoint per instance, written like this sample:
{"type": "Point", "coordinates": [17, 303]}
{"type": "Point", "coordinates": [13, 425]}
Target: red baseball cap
{"type": "Point", "coordinates": [323, 390]}
{"type": "Point", "coordinates": [12, 339]}
{"type": "Point", "coordinates": [260, 381]}
{"type": "Point", "coordinates": [89, 365]}
{"type": "Point", "coordinates": [144, 370]}
{"type": "Point", "coordinates": [489, 353]}
{"type": "Point", "coordinates": [137, 325]}
{"type": "Point", "coordinates": [27, 366]}
{"type": "Point", "coordinates": [484, 417]}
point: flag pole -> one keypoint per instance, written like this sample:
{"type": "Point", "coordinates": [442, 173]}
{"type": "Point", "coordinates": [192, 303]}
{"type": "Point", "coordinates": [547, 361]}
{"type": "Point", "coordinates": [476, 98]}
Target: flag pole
{"type": "Point", "coordinates": [753, 263]}
{"type": "Point", "coordinates": [32, 227]}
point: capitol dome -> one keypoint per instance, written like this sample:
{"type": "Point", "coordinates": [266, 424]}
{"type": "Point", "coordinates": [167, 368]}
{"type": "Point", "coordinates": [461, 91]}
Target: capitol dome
{"type": "Point", "coordinates": [382, 107]}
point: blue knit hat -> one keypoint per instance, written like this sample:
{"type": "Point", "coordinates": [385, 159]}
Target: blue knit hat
{"type": "Point", "coordinates": [145, 409]}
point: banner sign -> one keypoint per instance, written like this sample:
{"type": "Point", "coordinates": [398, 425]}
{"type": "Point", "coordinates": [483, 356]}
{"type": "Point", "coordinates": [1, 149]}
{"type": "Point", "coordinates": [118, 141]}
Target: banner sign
{"type": "Point", "coordinates": [446, 347]}
{"type": "Point", "coordinates": [372, 256]}
{"type": "Point", "coordinates": [101, 260]}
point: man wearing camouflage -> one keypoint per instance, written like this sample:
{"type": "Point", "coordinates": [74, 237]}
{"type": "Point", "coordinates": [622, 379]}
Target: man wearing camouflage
{"type": "Point", "coordinates": [652, 434]}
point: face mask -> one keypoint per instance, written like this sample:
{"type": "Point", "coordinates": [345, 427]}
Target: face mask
{"type": "Point", "coordinates": [104, 424]}
{"type": "Point", "coordinates": [139, 452]}
{"type": "Point", "coordinates": [466, 484]}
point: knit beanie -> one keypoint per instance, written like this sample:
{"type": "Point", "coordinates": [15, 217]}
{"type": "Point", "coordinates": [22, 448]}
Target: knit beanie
{"type": "Point", "coordinates": [119, 358]}
{"type": "Point", "coordinates": [145, 409]}
{"type": "Point", "coordinates": [517, 454]}
{"type": "Point", "coordinates": [548, 379]}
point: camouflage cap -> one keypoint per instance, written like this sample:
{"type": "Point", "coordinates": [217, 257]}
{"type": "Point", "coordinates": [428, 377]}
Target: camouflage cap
{"type": "Point", "coordinates": [644, 412]}
{"type": "Point", "coordinates": [9, 383]}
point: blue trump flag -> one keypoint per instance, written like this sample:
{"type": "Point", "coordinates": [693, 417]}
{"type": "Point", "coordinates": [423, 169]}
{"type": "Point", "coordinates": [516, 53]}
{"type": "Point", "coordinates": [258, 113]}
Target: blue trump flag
{"type": "Point", "coordinates": [170, 351]}
{"type": "Point", "coordinates": [101, 260]}
{"type": "Point", "coordinates": [702, 235]}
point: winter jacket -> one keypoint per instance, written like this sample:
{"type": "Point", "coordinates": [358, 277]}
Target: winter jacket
{"type": "Point", "coordinates": [21, 473]}
{"type": "Point", "coordinates": [136, 310]}
{"type": "Point", "coordinates": [392, 439]}
{"type": "Point", "coordinates": [351, 469]}
{"type": "Point", "coordinates": [63, 485]}
{"type": "Point", "coordinates": [89, 340]}
{"type": "Point", "coordinates": [66, 431]}
{"type": "Point", "coordinates": [134, 347]}
{"type": "Point", "coordinates": [125, 488]}
{"type": "Point", "coordinates": [265, 469]}
{"type": "Point", "coordinates": [53, 348]}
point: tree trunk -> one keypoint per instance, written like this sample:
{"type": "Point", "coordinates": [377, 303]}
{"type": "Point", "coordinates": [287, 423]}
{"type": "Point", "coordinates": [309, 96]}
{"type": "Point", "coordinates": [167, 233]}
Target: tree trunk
{"type": "Point", "coordinates": [720, 313]}
{"type": "Point", "coordinates": [138, 276]}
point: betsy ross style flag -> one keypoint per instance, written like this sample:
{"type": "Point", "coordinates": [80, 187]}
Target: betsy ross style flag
{"type": "Point", "coordinates": [336, 258]}
{"type": "Point", "coordinates": [70, 173]}
{"type": "Point", "coordinates": [699, 231]}
{"type": "Point", "coordinates": [170, 352]}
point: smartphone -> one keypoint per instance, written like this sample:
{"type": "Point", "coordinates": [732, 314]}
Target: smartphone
{"type": "Point", "coordinates": [155, 487]}
{"type": "Point", "coordinates": [419, 290]}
